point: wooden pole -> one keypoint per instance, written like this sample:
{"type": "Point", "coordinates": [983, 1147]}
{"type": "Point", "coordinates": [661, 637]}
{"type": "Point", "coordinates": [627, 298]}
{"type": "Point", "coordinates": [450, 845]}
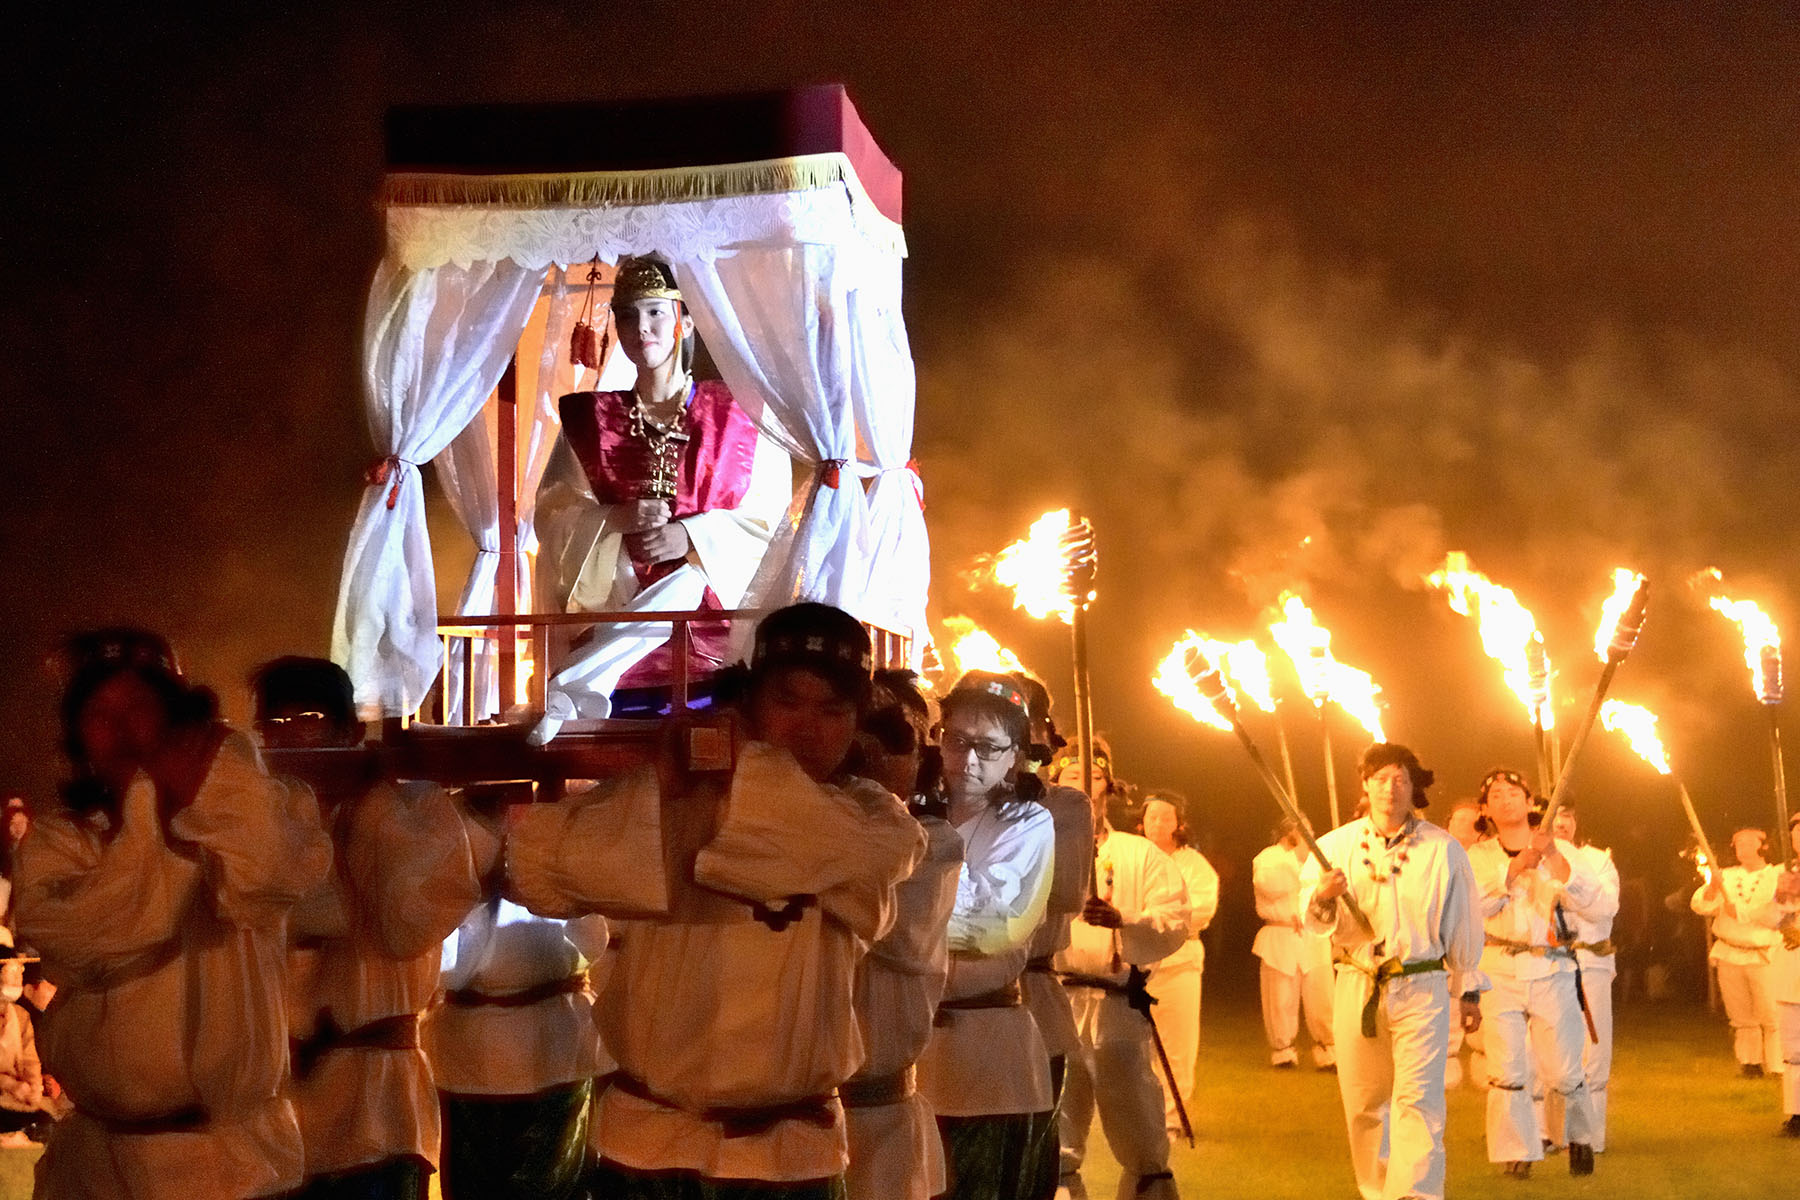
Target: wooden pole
{"type": "Point", "coordinates": [1287, 757]}
{"type": "Point", "coordinates": [506, 598]}
{"type": "Point", "coordinates": [1781, 800]}
{"type": "Point", "coordinates": [1331, 786]}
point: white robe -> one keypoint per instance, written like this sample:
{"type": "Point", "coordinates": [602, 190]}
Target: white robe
{"type": "Point", "coordinates": [1073, 818]}
{"type": "Point", "coordinates": [364, 948]}
{"type": "Point", "coordinates": [1176, 981]}
{"type": "Point", "coordinates": [1115, 1072]}
{"type": "Point", "coordinates": [1533, 998]}
{"type": "Point", "coordinates": [895, 1151]}
{"type": "Point", "coordinates": [1784, 986]}
{"type": "Point", "coordinates": [1393, 1083]}
{"type": "Point", "coordinates": [992, 1061]}
{"type": "Point", "coordinates": [1295, 969]}
{"type": "Point", "coordinates": [1744, 917]}
{"type": "Point", "coordinates": [502, 949]}
{"type": "Point", "coordinates": [709, 1007]}
{"type": "Point", "coordinates": [187, 942]}
{"type": "Point", "coordinates": [1592, 924]}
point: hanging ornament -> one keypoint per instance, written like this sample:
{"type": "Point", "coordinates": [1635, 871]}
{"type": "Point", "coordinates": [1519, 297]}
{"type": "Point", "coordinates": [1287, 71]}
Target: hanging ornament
{"type": "Point", "coordinates": [587, 345]}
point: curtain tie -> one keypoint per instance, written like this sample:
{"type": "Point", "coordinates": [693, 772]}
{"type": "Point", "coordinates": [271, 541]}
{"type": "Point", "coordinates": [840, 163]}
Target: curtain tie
{"type": "Point", "coordinates": [381, 471]}
{"type": "Point", "coordinates": [831, 471]}
{"type": "Point", "coordinates": [918, 482]}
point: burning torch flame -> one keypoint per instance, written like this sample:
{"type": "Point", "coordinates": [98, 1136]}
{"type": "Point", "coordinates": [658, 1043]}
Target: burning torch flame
{"type": "Point", "coordinates": [1639, 727]}
{"type": "Point", "coordinates": [1244, 666]}
{"type": "Point", "coordinates": [1622, 616]}
{"type": "Point", "coordinates": [1704, 864]}
{"type": "Point", "coordinates": [1762, 645]}
{"type": "Point", "coordinates": [972, 648]}
{"type": "Point", "coordinates": [1508, 631]}
{"type": "Point", "coordinates": [1322, 677]}
{"type": "Point", "coordinates": [1174, 680]}
{"type": "Point", "coordinates": [1052, 569]}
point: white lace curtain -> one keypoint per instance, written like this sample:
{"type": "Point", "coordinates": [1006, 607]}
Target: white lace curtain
{"type": "Point", "coordinates": [435, 343]}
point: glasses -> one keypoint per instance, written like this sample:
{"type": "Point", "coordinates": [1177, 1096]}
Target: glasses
{"type": "Point", "coordinates": [987, 752]}
{"type": "Point", "coordinates": [299, 718]}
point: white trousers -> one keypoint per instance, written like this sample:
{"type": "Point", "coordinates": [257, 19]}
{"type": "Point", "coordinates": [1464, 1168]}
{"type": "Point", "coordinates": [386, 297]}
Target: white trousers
{"type": "Point", "coordinates": [1285, 998]}
{"type": "Point", "coordinates": [1112, 1073]}
{"type": "Point", "coordinates": [1750, 1007]}
{"type": "Point", "coordinates": [583, 688]}
{"type": "Point", "coordinates": [1514, 1014]}
{"type": "Point", "coordinates": [1176, 986]}
{"type": "Point", "coordinates": [1393, 1083]}
{"type": "Point", "coordinates": [1596, 1064]}
{"type": "Point", "coordinates": [1790, 1052]}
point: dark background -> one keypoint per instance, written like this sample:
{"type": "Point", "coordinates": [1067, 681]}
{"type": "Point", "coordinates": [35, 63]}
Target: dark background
{"type": "Point", "coordinates": [1515, 279]}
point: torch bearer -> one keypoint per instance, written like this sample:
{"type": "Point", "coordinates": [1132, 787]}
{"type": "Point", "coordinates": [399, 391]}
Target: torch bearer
{"type": "Point", "coordinates": [1204, 680]}
{"type": "Point", "coordinates": [1621, 621]}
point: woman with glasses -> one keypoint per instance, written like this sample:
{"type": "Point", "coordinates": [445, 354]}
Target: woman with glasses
{"type": "Point", "coordinates": [986, 1071]}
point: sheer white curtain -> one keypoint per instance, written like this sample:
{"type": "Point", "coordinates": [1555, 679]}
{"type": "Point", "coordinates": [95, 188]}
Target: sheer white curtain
{"type": "Point", "coordinates": [883, 388]}
{"type": "Point", "coordinates": [435, 342]}
{"type": "Point", "coordinates": [774, 319]}
{"type": "Point", "coordinates": [466, 471]}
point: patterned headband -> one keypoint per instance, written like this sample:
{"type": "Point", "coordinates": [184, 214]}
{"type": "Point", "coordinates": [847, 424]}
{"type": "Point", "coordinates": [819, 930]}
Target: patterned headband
{"type": "Point", "coordinates": [812, 645]}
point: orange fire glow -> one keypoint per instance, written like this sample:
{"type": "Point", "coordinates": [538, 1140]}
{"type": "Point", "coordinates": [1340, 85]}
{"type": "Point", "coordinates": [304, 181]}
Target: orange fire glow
{"type": "Point", "coordinates": [1173, 680]}
{"type": "Point", "coordinates": [1037, 571]}
{"type": "Point", "coordinates": [1762, 645]}
{"type": "Point", "coordinates": [1639, 727]}
{"type": "Point", "coordinates": [1507, 628]}
{"type": "Point", "coordinates": [1322, 677]}
{"type": "Point", "coordinates": [971, 648]}
{"type": "Point", "coordinates": [1625, 583]}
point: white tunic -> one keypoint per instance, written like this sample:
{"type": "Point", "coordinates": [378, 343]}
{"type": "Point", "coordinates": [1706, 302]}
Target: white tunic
{"type": "Point", "coordinates": [1073, 818]}
{"type": "Point", "coordinates": [895, 1151]}
{"type": "Point", "coordinates": [1283, 943]}
{"type": "Point", "coordinates": [709, 1007]}
{"type": "Point", "coordinates": [168, 961]}
{"type": "Point", "coordinates": [1145, 885]}
{"type": "Point", "coordinates": [1427, 908]}
{"type": "Point", "coordinates": [992, 1061]}
{"type": "Point", "coordinates": [1592, 923]}
{"type": "Point", "coordinates": [1523, 912]}
{"type": "Point", "coordinates": [364, 948]}
{"type": "Point", "coordinates": [515, 1050]}
{"type": "Point", "coordinates": [1744, 916]}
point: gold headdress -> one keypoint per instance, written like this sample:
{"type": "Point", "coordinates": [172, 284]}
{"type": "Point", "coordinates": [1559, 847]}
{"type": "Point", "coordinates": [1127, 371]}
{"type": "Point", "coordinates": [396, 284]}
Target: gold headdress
{"type": "Point", "coordinates": [644, 278]}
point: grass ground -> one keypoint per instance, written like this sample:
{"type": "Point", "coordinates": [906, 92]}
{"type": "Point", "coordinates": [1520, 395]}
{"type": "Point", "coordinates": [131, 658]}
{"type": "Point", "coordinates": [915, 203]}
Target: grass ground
{"type": "Point", "coordinates": [1683, 1125]}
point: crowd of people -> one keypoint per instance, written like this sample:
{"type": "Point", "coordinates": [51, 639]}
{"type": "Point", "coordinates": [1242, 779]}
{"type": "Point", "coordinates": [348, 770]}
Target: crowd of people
{"type": "Point", "coordinates": [853, 941]}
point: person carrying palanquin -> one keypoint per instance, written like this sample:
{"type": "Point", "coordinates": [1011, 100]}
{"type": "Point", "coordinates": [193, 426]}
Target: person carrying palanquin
{"type": "Point", "coordinates": [363, 948]}
{"type": "Point", "coordinates": [756, 872]}
{"type": "Point", "coordinates": [895, 1151]}
{"type": "Point", "coordinates": [985, 1071]}
{"type": "Point", "coordinates": [660, 498]}
{"type": "Point", "coordinates": [1530, 881]}
{"type": "Point", "coordinates": [1392, 1006]}
{"type": "Point", "coordinates": [1137, 917]}
{"type": "Point", "coordinates": [158, 894]}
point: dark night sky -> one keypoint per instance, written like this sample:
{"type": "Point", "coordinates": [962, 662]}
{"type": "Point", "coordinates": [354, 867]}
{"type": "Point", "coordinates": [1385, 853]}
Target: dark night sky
{"type": "Point", "coordinates": [1516, 279]}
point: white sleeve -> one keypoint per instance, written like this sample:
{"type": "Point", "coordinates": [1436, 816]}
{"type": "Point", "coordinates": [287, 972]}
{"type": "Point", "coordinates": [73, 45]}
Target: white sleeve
{"type": "Point", "coordinates": [1162, 927]}
{"type": "Point", "coordinates": [728, 543]}
{"type": "Point", "coordinates": [1000, 900]}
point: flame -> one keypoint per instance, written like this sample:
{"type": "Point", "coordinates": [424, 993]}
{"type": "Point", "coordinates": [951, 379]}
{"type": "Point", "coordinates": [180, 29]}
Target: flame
{"type": "Point", "coordinates": [1625, 583]}
{"type": "Point", "coordinates": [1762, 645]}
{"type": "Point", "coordinates": [1322, 677]}
{"type": "Point", "coordinates": [1173, 680]}
{"type": "Point", "coordinates": [1507, 629]}
{"type": "Point", "coordinates": [1036, 571]}
{"type": "Point", "coordinates": [1704, 865]}
{"type": "Point", "coordinates": [972, 648]}
{"type": "Point", "coordinates": [1639, 727]}
{"type": "Point", "coordinates": [1244, 666]}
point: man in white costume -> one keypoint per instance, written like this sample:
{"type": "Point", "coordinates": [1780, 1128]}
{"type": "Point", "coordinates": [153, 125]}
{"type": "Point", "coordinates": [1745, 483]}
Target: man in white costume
{"type": "Point", "coordinates": [1393, 1003]}
{"type": "Point", "coordinates": [158, 896]}
{"type": "Point", "coordinates": [1740, 900]}
{"type": "Point", "coordinates": [1295, 964]}
{"type": "Point", "coordinates": [363, 949]}
{"type": "Point", "coordinates": [756, 875]}
{"type": "Point", "coordinates": [1529, 881]}
{"type": "Point", "coordinates": [895, 1150]}
{"type": "Point", "coordinates": [1591, 927]}
{"type": "Point", "coordinates": [1784, 980]}
{"type": "Point", "coordinates": [1072, 815]}
{"type": "Point", "coordinates": [515, 1053]}
{"type": "Point", "coordinates": [663, 497]}
{"type": "Point", "coordinates": [1176, 983]}
{"type": "Point", "coordinates": [986, 1071]}
{"type": "Point", "coordinates": [1137, 918]}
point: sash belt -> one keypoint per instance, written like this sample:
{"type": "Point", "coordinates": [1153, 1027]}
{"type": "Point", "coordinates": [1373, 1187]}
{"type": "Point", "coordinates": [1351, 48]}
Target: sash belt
{"type": "Point", "coordinates": [741, 1122]}
{"type": "Point", "coordinates": [1043, 966]}
{"type": "Point", "coordinates": [876, 1091]}
{"type": "Point", "coordinates": [389, 1033]}
{"type": "Point", "coordinates": [1380, 974]}
{"type": "Point", "coordinates": [1006, 996]}
{"type": "Point", "coordinates": [186, 1120]}
{"type": "Point", "coordinates": [470, 998]}
{"type": "Point", "coordinates": [1558, 950]}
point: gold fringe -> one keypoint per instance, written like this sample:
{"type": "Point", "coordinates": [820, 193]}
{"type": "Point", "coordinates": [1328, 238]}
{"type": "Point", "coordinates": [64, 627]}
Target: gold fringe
{"type": "Point", "coordinates": [610, 189]}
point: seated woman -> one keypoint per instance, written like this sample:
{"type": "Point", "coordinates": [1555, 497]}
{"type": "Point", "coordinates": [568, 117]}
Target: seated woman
{"type": "Point", "coordinates": [661, 498]}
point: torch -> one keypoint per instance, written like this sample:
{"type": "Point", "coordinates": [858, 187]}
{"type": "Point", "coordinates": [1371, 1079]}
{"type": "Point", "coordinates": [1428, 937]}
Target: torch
{"type": "Point", "coordinates": [1321, 655]}
{"type": "Point", "coordinates": [1191, 678]}
{"type": "Point", "coordinates": [1639, 727]}
{"type": "Point", "coordinates": [1543, 717]}
{"type": "Point", "coordinates": [1762, 653]}
{"type": "Point", "coordinates": [1322, 678]}
{"type": "Point", "coordinates": [1080, 560]}
{"type": "Point", "coordinates": [1621, 620]}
